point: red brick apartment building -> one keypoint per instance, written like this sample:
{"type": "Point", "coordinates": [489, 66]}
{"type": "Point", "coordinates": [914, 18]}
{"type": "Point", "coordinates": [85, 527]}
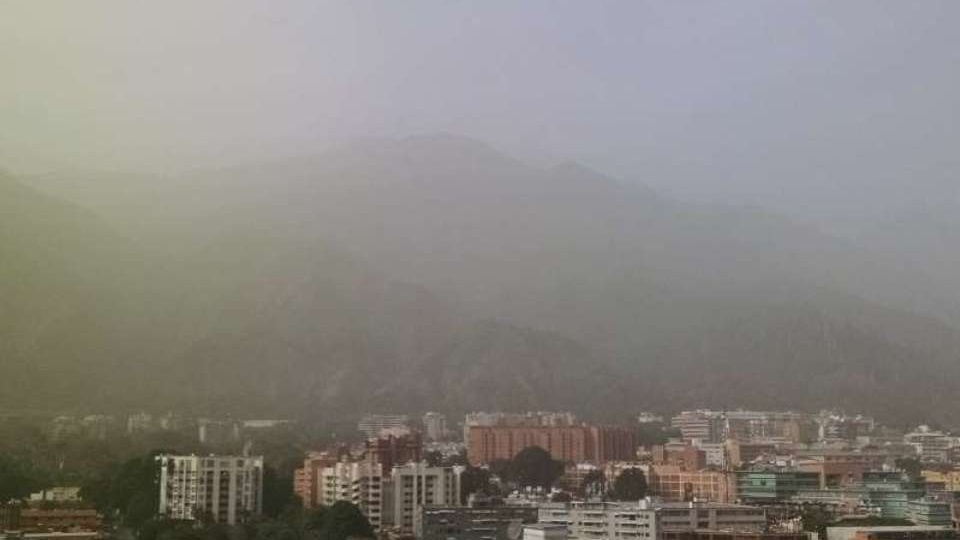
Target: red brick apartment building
{"type": "Point", "coordinates": [569, 444]}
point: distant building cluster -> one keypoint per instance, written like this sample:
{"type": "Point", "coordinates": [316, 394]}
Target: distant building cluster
{"type": "Point", "coordinates": [388, 480]}
{"type": "Point", "coordinates": [712, 475]}
{"type": "Point", "coordinates": [706, 475]}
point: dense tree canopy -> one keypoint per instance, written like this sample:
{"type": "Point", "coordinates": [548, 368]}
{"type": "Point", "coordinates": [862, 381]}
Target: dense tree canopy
{"type": "Point", "coordinates": [17, 479]}
{"type": "Point", "coordinates": [630, 485]}
{"type": "Point", "coordinates": [533, 467]}
{"type": "Point", "coordinates": [474, 480]}
{"type": "Point", "coordinates": [277, 491]}
{"type": "Point", "coordinates": [344, 520]}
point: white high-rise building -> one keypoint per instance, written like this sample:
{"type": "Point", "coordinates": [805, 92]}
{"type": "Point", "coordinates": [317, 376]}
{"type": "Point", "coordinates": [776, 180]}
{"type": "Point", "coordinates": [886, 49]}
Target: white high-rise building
{"type": "Point", "coordinates": [393, 501]}
{"type": "Point", "coordinates": [931, 445]}
{"type": "Point", "coordinates": [358, 483]}
{"type": "Point", "coordinates": [415, 485]}
{"type": "Point", "coordinates": [372, 424]}
{"type": "Point", "coordinates": [223, 489]}
{"type": "Point", "coordinates": [435, 426]}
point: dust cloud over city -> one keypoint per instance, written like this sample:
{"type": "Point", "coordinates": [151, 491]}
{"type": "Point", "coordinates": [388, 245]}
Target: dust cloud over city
{"type": "Point", "coordinates": [244, 227]}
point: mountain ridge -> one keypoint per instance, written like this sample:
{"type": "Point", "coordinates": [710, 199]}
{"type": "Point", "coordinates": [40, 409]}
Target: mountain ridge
{"type": "Point", "coordinates": [409, 276]}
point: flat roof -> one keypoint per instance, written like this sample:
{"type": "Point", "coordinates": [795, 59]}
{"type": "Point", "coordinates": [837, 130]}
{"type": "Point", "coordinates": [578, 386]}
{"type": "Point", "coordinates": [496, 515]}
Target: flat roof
{"type": "Point", "coordinates": [894, 528]}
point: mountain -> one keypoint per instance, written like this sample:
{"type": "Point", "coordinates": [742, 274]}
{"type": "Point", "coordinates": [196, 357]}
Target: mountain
{"type": "Point", "coordinates": [61, 271]}
{"type": "Point", "coordinates": [927, 233]}
{"type": "Point", "coordinates": [247, 322]}
{"type": "Point", "coordinates": [414, 273]}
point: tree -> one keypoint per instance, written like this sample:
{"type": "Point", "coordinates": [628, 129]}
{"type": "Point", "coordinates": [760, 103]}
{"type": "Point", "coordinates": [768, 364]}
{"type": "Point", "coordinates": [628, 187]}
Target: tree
{"type": "Point", "coordinates": [16, 481]}
{"type": "Point", "coordinates": [815, 519]}
{"type": "Point", "coordinates": [344, 520]}
{"type": "Point", "coordinates": [457, 459]}
{"type": "Point", "coordinates": [133, 491]}
{"type": "Point", "coordinates": [630, 485]}
{"type": "Point", "coordinates": [434, 458]}
{"type": "Point", "coordinates": [651, 433]}
{"type": "Point", "coordinates": [500, 468]}
{"type": "Point", "coordinates": [315, 518]}
{"type": "Point", "coordinates": [474, 480]}
{"type": "Point", "coordinates": [277, 491]}
{"type": "Point", "coordinates": [911, 466]}
{"type": "Point", "coordinates": [533, 467]}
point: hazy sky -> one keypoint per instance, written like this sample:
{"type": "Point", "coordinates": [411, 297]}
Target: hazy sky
{"type": "Point", "coordinates": [784, 103]}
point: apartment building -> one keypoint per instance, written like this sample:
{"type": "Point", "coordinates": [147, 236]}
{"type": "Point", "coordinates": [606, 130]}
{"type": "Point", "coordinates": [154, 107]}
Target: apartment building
{"type": "Point", "coordinates": [648, 518]}
{"type": "Point", "coordinates": [932, 446]}
{"type": "Point", "coordinates": [766, 485]}
{"type": "Point", "coordinates": [948, 480]}
{"type": "Point", "coordinates": [435, 426]}
{"type": "Point", "coordinates": [371, 425]}
{"type": "Point", "coordinates": [306, 480]}
{"type": "Point", "coordinates": [569, 444]}
{"type": "Point", "coordinates": [690, 516]}
{"type": "Point", "coordinates": [390, 500]}
{"type": "Point", "coordinates": [360, 483]}
{"type": "Point", "coordinates": [389, 450]}
{"type": "Point", "coordinates": [705, 426]}
{"type": "Point", "coordinates": [223, 489]}
{"type": "Point", "coordinates": [528, 419]}
{"type": "Point", "coordinates": [602, 520]}
{"type": "Point", "coordinates": [414, 486]}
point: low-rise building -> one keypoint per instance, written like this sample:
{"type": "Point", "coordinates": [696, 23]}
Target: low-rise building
{"type": "Point", "coordinates": [741, 453]}
{"type": "Point", "coordinates": [602, 520]}
{"type": "Point", "coordinates": [948, 480]}
{"type": "Point", "coordinates": [733, 535]}
{"type": "Point", "coordinates": [888, 493]}
{"type": "Point", "coordinates": [649, 519]}
{"type": "Point", "coordinates": [59, 520]}
{"type": "Point", "coordinates": [59, 494]}
{"type": "Point", "coordinates": [891, 533]}
{"type": "Point", "coordinates": [473, 523]}
{"type": "Point", "coordinates": [541, 531]}
{"type": "Point", "coordinates": [769, 485]}
{"type": "Point", "coordinates": [701, 515]}
{"type": "Point", "coordinates": [929, 512]}
{"type": "Point", "coordinates": [674, 484]}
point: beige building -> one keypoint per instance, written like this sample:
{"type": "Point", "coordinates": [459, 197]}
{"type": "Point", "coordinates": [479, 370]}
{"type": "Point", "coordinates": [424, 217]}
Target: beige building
{"type": "Point", "coordinates": [393, 501]}
{"type": "Point", "coordinates": [949, 479]}
{"type": "Point", "coordinates": [674, 484]}
{"type": "Point", "coordinates": [359, 483]}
